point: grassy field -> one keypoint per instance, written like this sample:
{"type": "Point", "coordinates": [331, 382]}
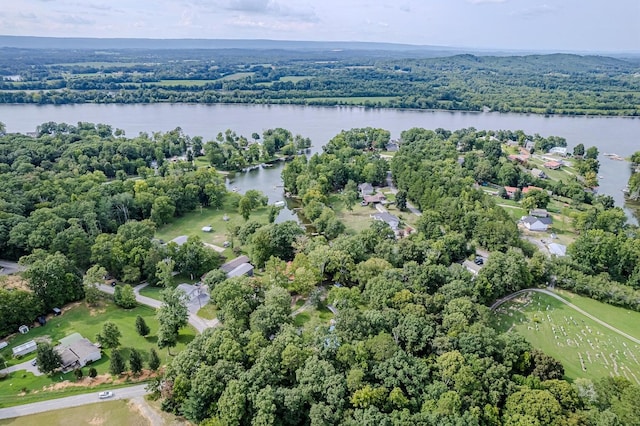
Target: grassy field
{"type": "Point", "coordinates": [295, 78]}
{"type": "Point", "coordinates": [182, 82]}
{"type": "Point", "coordinates": [312, 318]}
{"type": "Point", "coordinates": [88, 322]}
{"type": "Point", "coordinates": [236, 76]}
{"type": "Point", "coordinates": [208, 311]}
{"type": "Point", "coordinates": [359, 218]}
{"type": "Point", "coordinates": [192, 223]}
{"type": "Point", "coordinates": [585, 348]}
{"type": "Point", "coordinates": [105, 413]}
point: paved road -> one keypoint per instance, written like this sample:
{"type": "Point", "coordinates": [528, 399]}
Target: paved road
{"type": "Point", "coordinates": [7, 267]}
{"type": "Point", "coordinates": [23, 366]}
{"type": "Point", "coordinates": [198, 323]}
{"type": "Point", "coordinates": [571, 305]}
{"type": "Point", "coordinates": [394, 190]}
{"type": "Point", "coordinates": [70, 401]}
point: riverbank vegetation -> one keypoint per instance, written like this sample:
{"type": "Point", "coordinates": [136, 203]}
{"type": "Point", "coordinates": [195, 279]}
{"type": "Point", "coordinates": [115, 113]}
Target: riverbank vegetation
{"type": "Point", "coordinates": [542, 84]}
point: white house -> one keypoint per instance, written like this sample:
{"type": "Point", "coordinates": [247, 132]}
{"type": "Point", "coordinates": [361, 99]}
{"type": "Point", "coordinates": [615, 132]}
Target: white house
{"type": "Point", "coordinates": [559, 150]}
{"type": "Point", "coordinates": [534, 223]}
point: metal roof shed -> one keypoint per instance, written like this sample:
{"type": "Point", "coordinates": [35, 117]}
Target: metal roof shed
{"type": "Point", "coordinates": [25, 348]}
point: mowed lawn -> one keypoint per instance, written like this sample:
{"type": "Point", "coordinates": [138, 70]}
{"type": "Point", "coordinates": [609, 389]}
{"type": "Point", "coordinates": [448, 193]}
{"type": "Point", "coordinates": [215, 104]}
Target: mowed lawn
{"type": "Point", "coordinates": [191, 224]}
{"type": "Point", "coordinates": [585, 348]}
{"type": "Point", "coordinates": [88, 322]}
{"type": "Point", "coordinates": [114, 413]}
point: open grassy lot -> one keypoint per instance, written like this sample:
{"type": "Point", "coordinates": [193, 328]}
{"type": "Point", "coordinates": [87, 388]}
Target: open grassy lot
{"type": "Point", "coordinates": [154, 291]}
{"type": "Point", "coordinates": [585, 348]}
{"type": "Point", "coordinates": [311, 318]}
{"type": "Point", "coordinates": [359, 218]}
{"type": "Point", "coordinates": [105, 413]}
{"type": "Point", "coordinates": [88, 322]}
{"type": "Point", "coordinates": [192, 223]}
{"type": "Point", "coordinates": [208, 311]}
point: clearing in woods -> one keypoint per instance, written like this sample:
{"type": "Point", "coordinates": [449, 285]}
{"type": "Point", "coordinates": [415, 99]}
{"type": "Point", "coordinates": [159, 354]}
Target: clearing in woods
{"type": "Point", "coordinates": [585, 348]}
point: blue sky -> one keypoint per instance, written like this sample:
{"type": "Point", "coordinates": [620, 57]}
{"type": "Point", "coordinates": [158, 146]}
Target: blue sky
{"type": "Point", "coordinates": [550, 25]}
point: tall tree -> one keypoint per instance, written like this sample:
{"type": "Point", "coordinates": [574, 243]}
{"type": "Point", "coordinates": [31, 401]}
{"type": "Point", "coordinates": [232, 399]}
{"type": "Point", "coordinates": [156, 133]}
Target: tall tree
{"type": "Point", "coordinates": [110, 335]}
{"type": "Point", "coordinates": [125, 298]}
{"type": "Point", "coordinates": [135, 361]}
{"type": "Point", "coordinates": [92, 278]}
{"type": "Point", "coordinates": [53, 279]}
{"type": "Point", "coordinates": [154, 360]}
{"type": "Point", "coordinates": [48, 359]}
{"type": "Point", "coordinates": [141, 326]}
{"type": "Point", "coordinates": [117, 364]}
{"type": "Point", "coordinates": [172, 316]}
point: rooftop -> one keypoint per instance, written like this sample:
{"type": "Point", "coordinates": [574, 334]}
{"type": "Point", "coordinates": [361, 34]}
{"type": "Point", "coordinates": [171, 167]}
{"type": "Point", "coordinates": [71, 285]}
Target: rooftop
{"type": "Point", "coordinates": [234, 263]}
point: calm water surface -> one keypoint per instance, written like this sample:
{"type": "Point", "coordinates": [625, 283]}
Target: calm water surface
{"type": "Point", "coordinates": [619, 135]}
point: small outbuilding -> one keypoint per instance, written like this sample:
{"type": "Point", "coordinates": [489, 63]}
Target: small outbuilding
{"type": "Point", "coordinates": [25, 348]}
{"type": "Point", "coordinates": [558, 250]}
{"type": "Point", "coordinates": [207, 229]}
{"type": "Point", "coordinates": [238, 267]}
{"type": "Point", "coordinates": [57, 311]}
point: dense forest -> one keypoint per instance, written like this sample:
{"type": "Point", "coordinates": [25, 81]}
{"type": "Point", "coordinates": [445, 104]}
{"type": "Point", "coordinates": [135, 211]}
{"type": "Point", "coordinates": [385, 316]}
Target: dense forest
{"type": "Point", "coordinates": [547, 84]}
{"type": "Point", "coordinates": [412, 339]}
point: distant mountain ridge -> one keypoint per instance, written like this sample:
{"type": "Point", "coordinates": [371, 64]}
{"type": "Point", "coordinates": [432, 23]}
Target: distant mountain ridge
{"type": "Point", "coordinates": [148, 43]}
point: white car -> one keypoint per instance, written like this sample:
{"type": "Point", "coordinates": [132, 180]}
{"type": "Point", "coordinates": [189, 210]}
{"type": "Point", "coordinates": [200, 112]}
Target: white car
{"type": "Point", "coordinates": [105, 394]}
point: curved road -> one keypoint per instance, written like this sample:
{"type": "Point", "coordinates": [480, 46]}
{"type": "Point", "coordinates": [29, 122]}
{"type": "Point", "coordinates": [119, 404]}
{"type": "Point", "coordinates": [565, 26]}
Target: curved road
{"type": "Point", "coordinates": [70, 401]}
{"type": "Point", "coordinates": [571, 305]}
{"type": "Point", "coordinates": [198, 323]}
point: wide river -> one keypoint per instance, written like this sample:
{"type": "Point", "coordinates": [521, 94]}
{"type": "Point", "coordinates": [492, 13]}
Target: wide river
{"type": "Point", "coordinates": [619, 135]}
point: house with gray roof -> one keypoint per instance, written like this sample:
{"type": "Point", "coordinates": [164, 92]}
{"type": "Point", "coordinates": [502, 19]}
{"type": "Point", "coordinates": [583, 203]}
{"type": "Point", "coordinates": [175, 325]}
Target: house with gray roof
{"type": "Point", "coordinates": [237, 267]}
{"type": "Point", "coordinates": [389, 219]}
{"type": "Point", "coordinates": [534, 223]}
{"type": "Point", "coordinates": [77, 351]}
{"type": "Point", "coordinates": [365, 189]}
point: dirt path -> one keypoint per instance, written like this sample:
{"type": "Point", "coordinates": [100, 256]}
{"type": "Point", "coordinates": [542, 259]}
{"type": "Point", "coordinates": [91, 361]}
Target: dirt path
{"type": "Point", "coordinates": [147, 412]}
{"type": "Point", "coordinates": [571, 305]}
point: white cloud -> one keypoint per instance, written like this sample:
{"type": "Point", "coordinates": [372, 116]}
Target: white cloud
{"type": "Point", "coordinates": [534, 11]}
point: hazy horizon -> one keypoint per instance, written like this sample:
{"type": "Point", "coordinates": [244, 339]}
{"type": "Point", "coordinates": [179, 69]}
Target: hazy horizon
{"type": "Point", "coordinates": [522, 25]}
